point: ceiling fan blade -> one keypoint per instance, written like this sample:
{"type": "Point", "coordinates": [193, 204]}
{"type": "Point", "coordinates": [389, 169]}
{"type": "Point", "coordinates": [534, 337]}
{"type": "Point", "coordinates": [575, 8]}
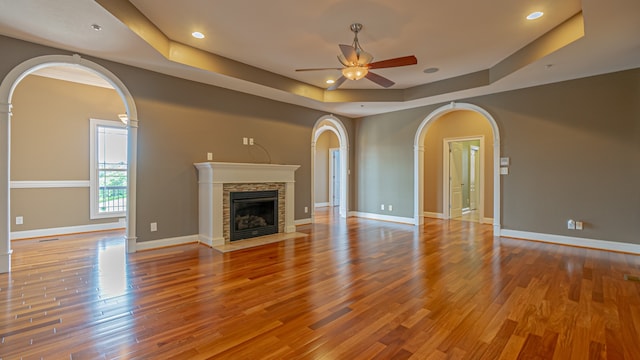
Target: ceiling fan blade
{"type": "Point", "coordinates": [401, 61]}
{"type": "Point", "coordinates": [350, 54]}
{"type": "Point", "coordinates": [337, 84]}
{"type": "Point", "coordinates": [380, 80]}
{"type": "Point", "coordinates": [318, 69]}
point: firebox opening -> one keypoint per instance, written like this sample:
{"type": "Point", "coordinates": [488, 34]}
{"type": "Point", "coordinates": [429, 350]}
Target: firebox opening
{"type": "Point", "coordinates": [253, 213]}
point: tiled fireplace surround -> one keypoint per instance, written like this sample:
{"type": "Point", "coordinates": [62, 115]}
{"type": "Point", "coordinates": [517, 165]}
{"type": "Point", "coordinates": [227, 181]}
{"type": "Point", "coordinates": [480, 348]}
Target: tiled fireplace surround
{"type": "Point", "coordinates": [217, 179]}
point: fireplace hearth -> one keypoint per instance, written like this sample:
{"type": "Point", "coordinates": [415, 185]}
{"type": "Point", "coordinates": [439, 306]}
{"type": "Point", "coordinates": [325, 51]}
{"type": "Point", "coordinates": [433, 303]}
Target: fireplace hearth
{"type": "Point", "coordinates": [253, 213]}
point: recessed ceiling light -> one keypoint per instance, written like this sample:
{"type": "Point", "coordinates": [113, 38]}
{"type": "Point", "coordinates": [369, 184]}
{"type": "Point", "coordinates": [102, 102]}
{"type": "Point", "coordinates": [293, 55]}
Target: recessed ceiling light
{"type": "Point", "coordinates": [197, 35]}
{"type": "Point", "coordinates": [430, 70]}
{"type": "Point", "coordinates": [330, 81]}
{"type": "Point", "coordinates": [535, 15]}
{"type": "Point", "coordinates": [96, 27]}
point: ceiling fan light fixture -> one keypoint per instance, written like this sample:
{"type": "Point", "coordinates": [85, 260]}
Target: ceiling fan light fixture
{"type": "Point", "coordinates": [355, 72]}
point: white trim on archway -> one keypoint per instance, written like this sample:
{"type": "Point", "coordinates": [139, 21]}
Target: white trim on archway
{"type": "Point", "coordinates": [418, 157]}
{"type": "Point", "coordinates": [333, 124]}
{"type": "Point", "coordinates": [8, 85]}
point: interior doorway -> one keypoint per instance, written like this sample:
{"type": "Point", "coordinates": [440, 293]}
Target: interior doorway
{"type": "Point", "coordinates": [326, 176]}
{"type": "Point", "coordinates": [334, 177]}
{"type": "Point", "coordinates": [464, 177]}
{"type": "Point", "coordinates": [331, 126]}
{"type": "Point", "coordinates": [429, 203]}
{"type": "Point", "coordinates": [7, 87]}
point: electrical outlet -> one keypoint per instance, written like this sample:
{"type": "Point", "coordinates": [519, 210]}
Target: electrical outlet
{"type": "Point", "coordinates": [306, 209]}
{"type": "Point", "coordinates": [571, 224]}
{"type": "Point", "coordinates": [578, 225]}
{"type": "Point", "coordinates": [19, 220]}
{"type": "Point", "coordinates": [245, 141]}
{"type": "Point", "coordinates": [209, 156]}
{"type": "Point", "coordinates": [381, 206]}
{"type": "Point", "coordinates": [154, 226]}
{"type": "Point", "coordinates": [250, 141]}
{"type": "Point", "coordinates": [390, 207]}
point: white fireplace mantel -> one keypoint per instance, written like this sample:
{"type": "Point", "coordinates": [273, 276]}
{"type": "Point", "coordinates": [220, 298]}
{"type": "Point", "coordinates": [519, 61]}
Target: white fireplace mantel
{"type": "Point", "coordinates": [212, 176]}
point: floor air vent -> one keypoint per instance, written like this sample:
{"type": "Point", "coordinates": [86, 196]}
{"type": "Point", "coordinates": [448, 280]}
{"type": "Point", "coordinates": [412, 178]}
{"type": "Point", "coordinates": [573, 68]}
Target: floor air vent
{"type": "Point", "coordinates": [631, 277]}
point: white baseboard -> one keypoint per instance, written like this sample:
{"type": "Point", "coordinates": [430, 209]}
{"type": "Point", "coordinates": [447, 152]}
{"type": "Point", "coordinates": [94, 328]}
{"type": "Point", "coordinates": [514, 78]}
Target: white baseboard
{"type": "Point", "coordinates": [15, 235]}
{"type": "Point", "coordinates": [487, 221]}
{"type": "Point", "coordinates": [372, 216]}
{"type": "Point", "coordinates": [573, 241]}
{"type": "Point", "coordinates": [302, 221]}
{"type": "Point", "coordinates": [323, 204]}
{"type": "Point", "coordinates": [160, 243]}
{"type": "Point", "coordinates": [433, 215]}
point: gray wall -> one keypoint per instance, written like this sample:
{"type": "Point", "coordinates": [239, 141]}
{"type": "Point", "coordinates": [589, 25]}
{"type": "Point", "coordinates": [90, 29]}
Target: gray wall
{"type": "Point", "coordinates": [180, 121]}
{"type": "Point", "coordinates": [574, 149]}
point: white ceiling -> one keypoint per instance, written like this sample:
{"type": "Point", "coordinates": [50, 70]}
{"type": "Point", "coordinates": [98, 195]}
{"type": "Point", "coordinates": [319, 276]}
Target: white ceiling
{"type": "Point", "coordinates": [279, 36]}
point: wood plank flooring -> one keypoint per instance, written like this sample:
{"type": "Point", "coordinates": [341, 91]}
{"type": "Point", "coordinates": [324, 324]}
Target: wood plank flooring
{"type": "Point", "coordinates": [352, 289]}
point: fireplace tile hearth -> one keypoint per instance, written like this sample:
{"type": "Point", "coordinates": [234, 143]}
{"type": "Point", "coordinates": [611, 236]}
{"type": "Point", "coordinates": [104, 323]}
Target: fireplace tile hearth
{"type": "Point", "coordinates": [258, 241]}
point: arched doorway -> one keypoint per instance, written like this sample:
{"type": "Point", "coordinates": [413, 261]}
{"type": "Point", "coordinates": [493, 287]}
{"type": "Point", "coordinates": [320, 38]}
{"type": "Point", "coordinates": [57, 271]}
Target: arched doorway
{"type": "Point", "coordinates": [333, 124]}
{"type": "Point", "coordinates": [419, 159]}
{"type": "Point", "coordinates": [7, 87]}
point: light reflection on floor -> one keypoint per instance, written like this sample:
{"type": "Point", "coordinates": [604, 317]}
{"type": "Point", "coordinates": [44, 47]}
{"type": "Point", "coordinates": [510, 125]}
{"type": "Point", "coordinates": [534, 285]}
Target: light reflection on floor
{"type": "Point", "coordinates": [112, 272]}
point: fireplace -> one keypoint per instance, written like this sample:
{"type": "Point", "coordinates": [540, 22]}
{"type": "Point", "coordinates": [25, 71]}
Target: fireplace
{"type": "Point", "coordinates": [216, 182]}
{"type": "Point", "coordinates": [253, 213]}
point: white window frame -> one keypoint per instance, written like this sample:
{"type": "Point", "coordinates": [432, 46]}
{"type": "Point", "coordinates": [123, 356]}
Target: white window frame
{"type": "Point", "coordinates": [93, 169]}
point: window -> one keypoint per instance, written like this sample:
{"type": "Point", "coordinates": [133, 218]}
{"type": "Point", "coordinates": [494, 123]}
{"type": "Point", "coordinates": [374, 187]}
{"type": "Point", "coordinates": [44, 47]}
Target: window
{"type": "Point", "coordinates": [108, 178]}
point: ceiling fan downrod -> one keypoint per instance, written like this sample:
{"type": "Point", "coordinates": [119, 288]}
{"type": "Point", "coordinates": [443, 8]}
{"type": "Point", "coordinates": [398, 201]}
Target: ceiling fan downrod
{"type": "Point", "coordinates": [356, 27]}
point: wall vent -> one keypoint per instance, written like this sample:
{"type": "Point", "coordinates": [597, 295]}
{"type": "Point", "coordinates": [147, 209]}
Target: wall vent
{"type": "Point", "coordinates": [631, 277]}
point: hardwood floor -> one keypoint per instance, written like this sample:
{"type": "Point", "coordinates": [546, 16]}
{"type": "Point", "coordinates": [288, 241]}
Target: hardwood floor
{"type": "Point", "coordinates": [353, 289]}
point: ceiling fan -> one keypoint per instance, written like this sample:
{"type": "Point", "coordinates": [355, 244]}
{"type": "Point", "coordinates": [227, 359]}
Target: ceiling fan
{"type": "Point", "coordinates": [357, 63]}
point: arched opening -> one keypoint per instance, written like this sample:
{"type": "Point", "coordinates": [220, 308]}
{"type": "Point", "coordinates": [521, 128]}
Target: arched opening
{"type": "Point", "coordinates": [419, 159]}
{"type": "Point", "coordinates": [327, 171]}
{"type": "Point", "coordinates": [7, 87]}
{"type": "Point", "coordinates": [334, 125]}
